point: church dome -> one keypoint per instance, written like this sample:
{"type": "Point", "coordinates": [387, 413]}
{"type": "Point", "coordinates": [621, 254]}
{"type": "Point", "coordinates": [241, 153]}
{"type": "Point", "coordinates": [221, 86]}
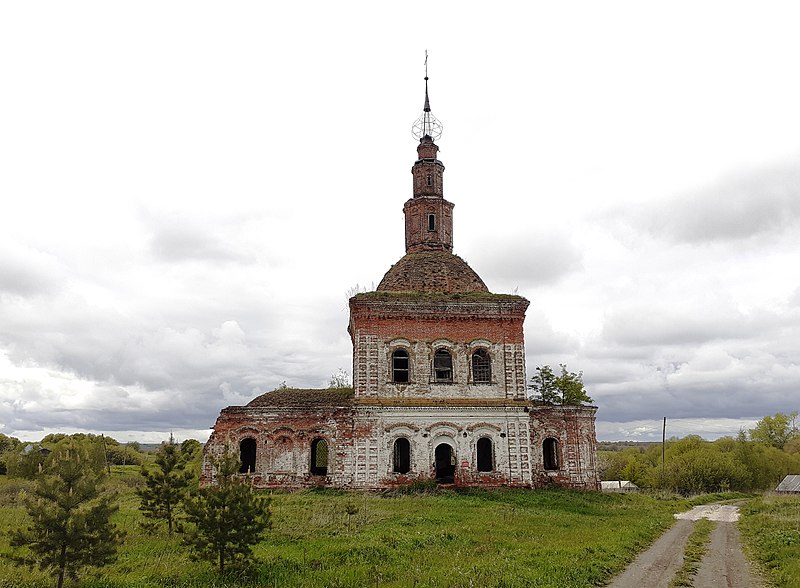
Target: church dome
{"type": "Point", "coordinates": [431, 271]}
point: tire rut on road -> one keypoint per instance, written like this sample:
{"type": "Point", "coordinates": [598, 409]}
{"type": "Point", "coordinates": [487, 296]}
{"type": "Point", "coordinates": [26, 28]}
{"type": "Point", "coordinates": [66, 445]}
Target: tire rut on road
{"type": "Point", "coordinates": [656, 567]}
{"type": "Point", "coordinates": [723, 566]}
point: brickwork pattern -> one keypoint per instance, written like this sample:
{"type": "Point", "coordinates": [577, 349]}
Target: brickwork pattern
{"type": "Point", "coordinates": [361, 441]}
{"type": "Point", "coordinates": [431, 271]}
{"type": "Point", "coordinates": [381, 326]}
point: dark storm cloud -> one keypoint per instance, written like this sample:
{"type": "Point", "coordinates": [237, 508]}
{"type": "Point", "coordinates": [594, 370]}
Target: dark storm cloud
{"type": "Point", "coordinates": [735, 208]}
{"type": "Point", "coordinates": [717, 375]}
{"type": "Point", "coordinates": [714, 400]}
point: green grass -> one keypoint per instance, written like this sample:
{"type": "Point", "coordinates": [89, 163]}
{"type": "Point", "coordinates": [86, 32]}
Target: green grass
{"type": "Point", "coordinates": [770, 529]}
{"type": "Point", "coordinates": [487, 538]}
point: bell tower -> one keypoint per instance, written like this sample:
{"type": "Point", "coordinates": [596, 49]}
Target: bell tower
{"type": "Point", "coordinates": [429, 217]}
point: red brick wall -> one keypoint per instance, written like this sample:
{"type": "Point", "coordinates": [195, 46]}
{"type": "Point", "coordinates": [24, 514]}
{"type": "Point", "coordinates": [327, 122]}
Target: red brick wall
{"type": "Point", "coordinates": [456, 330]}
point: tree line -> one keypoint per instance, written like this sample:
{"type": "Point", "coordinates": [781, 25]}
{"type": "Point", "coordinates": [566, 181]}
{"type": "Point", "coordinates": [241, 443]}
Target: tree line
{"type": "Point", "coordinates": [753, 461]}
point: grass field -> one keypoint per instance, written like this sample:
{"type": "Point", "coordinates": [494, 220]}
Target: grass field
{"type": "Point", "coordinates": [770, 527]}
{"type": "Point", "coordinates": [497, 538]}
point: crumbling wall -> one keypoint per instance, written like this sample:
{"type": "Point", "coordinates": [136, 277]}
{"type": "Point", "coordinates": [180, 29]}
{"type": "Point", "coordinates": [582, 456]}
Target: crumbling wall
{"type": "Point", "coordinates": [361, 439]}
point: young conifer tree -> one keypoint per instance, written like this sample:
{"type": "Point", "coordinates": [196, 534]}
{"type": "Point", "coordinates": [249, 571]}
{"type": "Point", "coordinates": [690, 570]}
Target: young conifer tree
{"type": "Point", "coordinates": [228, 518]}
{"type": "Point", "coordinates": [69, 528]}
{"type": "Point", "coordinates": [166, 486]}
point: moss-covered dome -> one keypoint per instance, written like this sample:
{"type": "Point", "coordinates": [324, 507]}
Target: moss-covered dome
{"type": "Point", "coordinates": [432, 271]}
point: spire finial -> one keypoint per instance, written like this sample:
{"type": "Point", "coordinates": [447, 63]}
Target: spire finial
{"type": "Point", "coordinates": [427, 125]}
{"type": "Point", "coordinates": [427, 107]}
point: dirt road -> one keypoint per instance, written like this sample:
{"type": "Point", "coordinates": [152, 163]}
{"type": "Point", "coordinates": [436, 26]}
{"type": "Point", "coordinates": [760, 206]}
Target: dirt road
{"type": "Point", "coordinates": [723, 566]}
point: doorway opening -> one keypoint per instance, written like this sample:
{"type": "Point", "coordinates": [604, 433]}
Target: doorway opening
{"type": "Point", "coordinates": [247, 455]}
{"type": "Point", "coordinates": [445, 464]}
{"type": "Point", "coordinates": [401, 460]}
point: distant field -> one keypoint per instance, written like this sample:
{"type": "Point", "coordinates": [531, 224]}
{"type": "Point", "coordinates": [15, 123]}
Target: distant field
{"type": "Point", "coordinates": [503, 538]}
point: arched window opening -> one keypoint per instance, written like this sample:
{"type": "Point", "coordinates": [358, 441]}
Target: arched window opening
{"type": "Point", "coordinates": [400, 366]}
{"type": "Point", "coordinates": [481, 367]}
{"type": "Point", "coordinates": [485, 457]}
{"type": "Point", "coordinates": [445, 463]}
{"type": "Point", "coordinates": [431, 222]}
{"type": "Point", "coordinates": [442, 366]}
{"type": "Point", "coordinates": [550, 450]}
{"type": "Point", "coordinates": [247, 455]}
{"type": "Point", "coordinates": [401, 461]}
{"type": "Point", "coordinates": [430, 180]}
{"type": "Point", "coordinates": [319, 457]}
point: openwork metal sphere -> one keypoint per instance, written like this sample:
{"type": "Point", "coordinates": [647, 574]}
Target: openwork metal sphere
{"type": "Point", "coordinates": [427, 124]}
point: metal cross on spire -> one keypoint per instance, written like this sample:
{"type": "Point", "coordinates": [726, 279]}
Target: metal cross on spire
{"type": "Point", "coordinates": [427, 125]}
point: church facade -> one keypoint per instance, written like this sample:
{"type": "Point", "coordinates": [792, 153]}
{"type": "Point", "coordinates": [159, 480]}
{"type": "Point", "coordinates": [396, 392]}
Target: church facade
{"type": "Point", "coordinates": [439, 382]}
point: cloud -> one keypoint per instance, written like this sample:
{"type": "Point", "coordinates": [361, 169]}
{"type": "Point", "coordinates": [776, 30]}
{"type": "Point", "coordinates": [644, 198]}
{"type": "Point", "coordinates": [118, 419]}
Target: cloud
{"type": "Point", "coordinates": [651, 430]}
{"type": "Point", "coordinates": [542, 341]}
{"type": "Point", "coordinates": [164, 268]}
{"type": "Point", "coordinates": [156, 355]}
{"type": "Point", "coordinates": [712, 379]}
{"type": "Point", "coordinates": [25, 271]}
{"type": "Point", "coordinates": [794, 298]}
{"type": "Point", "coordinates": [535, 259]}
{"type": "Point", "coordinates": [176, 239]}
{"type": "Point", "coordinates": [739, 207]}
{"type": "Point", "coordinates": [682, 324]}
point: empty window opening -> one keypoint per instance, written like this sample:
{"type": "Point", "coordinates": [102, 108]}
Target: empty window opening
{"type": "Point", "coordinates": [443, 366]}
{"type": "Point", "coordinates": [550, 450]}
{"type": "Point", "coordinates": [445, 459]}
{"type": "Point", "coordinates": [485, 458]}
{"type": "Point", "coordinates": [400, 366]}
{"type": "Point", "coordinates": [247, 455]}
{"type": "Point", "coordinates": [430, 180]}
{"type": "Point", "coordinates": [401, 461]}
{"type": "Point", "coordinates": [431, 222]}
{"type": "Point", "coordinates": [319, 457]}
{"type": "Point", "coordinates": [481, 367]}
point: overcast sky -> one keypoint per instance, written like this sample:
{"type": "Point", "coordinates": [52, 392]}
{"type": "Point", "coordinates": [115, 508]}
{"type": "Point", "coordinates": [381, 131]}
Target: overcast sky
{"type": "Point", "coordinates": [190, 189]}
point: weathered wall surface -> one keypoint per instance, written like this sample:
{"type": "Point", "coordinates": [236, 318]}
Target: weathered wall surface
{"type": "Point", "coordinates": [379, 327]}
{"type": "Point", "coordinates": [574, 429]}
{"type": "Point", "coordinates": [283, 439]}
{"type": "Point", "coordinates": [361, 442]}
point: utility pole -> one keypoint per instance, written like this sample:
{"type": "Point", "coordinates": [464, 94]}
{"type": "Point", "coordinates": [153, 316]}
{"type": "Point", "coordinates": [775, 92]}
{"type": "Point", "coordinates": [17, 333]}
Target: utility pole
{"type": "Point", "coordinates": [663, 449]}
{"type": "Point", "coordinates": [105, 453]}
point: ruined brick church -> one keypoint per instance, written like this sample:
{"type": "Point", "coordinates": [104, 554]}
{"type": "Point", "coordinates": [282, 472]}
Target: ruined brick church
{"type": "Point", "coordinates": [439, 383]}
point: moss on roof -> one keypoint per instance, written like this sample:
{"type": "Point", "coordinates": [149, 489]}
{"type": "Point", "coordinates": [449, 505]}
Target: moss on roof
{"type": "Point", "coordinates": [411, 296]}
{"type": "Point", "coordinates": [432, 271]}
{"type": "Point", "coordinates": [294, 397]}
